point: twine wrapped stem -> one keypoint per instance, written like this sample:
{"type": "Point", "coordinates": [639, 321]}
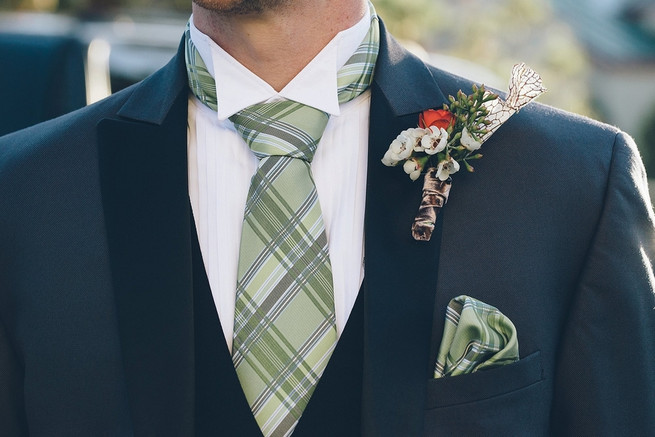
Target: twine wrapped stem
{"type": "Point", "coordinates": [435, 196]}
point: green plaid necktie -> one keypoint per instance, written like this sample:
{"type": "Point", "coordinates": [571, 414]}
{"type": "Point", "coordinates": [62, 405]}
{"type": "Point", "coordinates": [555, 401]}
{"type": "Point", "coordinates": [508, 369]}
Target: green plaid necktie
{"type": "Point", "coordinates": [284, 322]}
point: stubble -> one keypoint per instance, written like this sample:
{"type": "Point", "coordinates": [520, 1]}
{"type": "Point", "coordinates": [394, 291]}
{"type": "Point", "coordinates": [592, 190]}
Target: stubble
{"type": "Point", "coordinates": [241, 7]}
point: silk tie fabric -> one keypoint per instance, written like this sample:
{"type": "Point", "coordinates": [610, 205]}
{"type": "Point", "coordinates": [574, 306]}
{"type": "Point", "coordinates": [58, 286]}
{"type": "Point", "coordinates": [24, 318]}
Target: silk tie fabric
{"type": "Point", "coordinates": [284, 329]}
{"type": "Point", "coordinates": [476, 337]}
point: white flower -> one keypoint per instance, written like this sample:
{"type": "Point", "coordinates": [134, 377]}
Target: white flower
{"type": "Point", "coordinates": [435, 141]}
{"type": "Point", "coordinates": [469, 141]}
{"type": "Point", "coordinates": [415, 137]}
{"type": "Point", "coordinates": [412, 138]}
{"type": "Point", "coordinates": [446, 168]}
{"type": "Point", "coordinates": [402, 147]}
{"type": "Point", "coordinates": [389, 159]}
{"type": "Point", "coordinates": [412, 168]}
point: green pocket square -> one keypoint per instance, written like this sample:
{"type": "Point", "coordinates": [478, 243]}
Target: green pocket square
{"type": "Point", "coordinates": [476, 336]}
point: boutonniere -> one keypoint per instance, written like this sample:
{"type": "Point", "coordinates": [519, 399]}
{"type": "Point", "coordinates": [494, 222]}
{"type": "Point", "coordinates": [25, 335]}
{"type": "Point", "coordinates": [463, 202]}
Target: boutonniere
{"type": "Point", "coordinates": [448, 139]}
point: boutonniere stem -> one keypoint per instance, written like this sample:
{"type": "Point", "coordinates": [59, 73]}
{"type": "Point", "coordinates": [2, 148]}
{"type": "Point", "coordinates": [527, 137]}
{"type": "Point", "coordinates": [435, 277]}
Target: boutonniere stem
{"type": "Point", "coordinates": [435, 196]}
{"type": "Point", "coordinates": [448, 139]}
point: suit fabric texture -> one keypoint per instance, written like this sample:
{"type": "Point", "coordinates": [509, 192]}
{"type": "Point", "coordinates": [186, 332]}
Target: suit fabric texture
{"type": "Point", "coordinates": [103, 331]}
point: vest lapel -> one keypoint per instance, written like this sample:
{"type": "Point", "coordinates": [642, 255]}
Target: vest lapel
{"type": "Point", "coordinates": [143, 171]}
{"type": "Point", "coordinates": [401, 273]}
{"type": "Point", "coordinates": [220, 401]}
{"type": "Point", "coordinates": [335, 406]}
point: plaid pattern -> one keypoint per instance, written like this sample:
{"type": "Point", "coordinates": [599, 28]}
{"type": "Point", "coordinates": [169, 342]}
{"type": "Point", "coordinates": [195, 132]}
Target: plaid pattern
{"type": "Point", "coordinates": [476, 336]}
{"type": "Point", "coordinates": [285, 326]}
{"type": "Point", "coordinates": [201, 83]}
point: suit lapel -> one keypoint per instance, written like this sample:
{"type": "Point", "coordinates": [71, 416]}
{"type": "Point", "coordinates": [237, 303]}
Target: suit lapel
{"type": "Point", "coordinates": [144, 185]}
{"type": "Point", "coordinates": [401, 273]}
{"type": "Point", "coordinates": [143, 169]}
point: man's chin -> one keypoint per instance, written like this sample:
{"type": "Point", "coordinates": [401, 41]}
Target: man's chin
{"type": "Point", "coordinates": [240, 7]}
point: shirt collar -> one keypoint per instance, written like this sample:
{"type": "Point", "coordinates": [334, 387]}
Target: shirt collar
{"type": "Point", "coordinates": [316, 85]}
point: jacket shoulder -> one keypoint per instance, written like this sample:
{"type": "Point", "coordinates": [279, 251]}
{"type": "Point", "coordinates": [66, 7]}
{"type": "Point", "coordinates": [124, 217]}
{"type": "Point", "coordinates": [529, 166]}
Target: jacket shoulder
{"type": "Point", "coordinates": [535, 113]}
{"type": "Point", "coordinates": [540, 126]}
{"type": "Point", "coordinates": [59, 135]}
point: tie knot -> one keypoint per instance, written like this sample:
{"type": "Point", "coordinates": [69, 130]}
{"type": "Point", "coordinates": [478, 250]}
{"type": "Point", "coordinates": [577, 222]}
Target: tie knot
{"type": "Point", "coordinates": [283, 128]}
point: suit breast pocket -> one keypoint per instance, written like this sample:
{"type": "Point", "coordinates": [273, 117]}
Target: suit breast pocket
{"type": "Point", "coordinates": [507, 400]}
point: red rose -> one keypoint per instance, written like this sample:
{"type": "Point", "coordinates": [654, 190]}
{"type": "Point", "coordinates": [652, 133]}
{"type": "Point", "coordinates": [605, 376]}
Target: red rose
{"type": "Point", "coordinates": [439, 118]}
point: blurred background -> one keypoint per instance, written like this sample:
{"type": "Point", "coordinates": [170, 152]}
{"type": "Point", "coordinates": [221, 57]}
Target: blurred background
{"type": "Point", "coordinates": [597, 57]}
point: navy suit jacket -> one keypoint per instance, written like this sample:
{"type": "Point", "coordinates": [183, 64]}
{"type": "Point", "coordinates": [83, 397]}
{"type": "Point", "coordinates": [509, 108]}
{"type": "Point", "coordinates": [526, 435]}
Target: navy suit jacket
{"type": "Point", "coordinates": [554, 228]}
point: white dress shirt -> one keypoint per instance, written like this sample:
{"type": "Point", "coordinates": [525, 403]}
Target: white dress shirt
{"type": "Point", "coordinates": [221, 166]}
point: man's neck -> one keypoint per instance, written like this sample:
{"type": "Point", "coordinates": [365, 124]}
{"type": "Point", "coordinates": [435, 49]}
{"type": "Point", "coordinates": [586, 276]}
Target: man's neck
{"type": "Point", "coordinates": [277, 44]}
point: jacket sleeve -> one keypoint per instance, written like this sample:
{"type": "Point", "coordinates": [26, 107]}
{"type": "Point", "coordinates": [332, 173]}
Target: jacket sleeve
{"type": "Point", "coordinates": [605, 376]}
